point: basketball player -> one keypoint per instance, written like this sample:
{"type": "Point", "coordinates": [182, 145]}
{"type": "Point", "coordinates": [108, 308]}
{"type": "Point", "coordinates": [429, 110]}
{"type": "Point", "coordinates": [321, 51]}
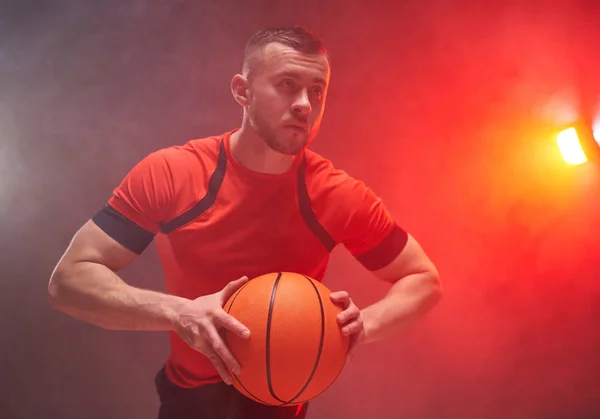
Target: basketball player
{"type": "Point", "coordinates": [235, 206]}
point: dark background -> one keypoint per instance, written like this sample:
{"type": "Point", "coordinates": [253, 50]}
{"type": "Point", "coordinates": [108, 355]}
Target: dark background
{"type": "Point", "coordinates": [448, 109]}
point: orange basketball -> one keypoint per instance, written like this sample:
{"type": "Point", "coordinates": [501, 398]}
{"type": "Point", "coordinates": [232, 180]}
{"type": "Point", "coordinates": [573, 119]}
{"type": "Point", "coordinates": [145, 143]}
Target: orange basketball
{"type": "Point", "coordinates": [296, 348]}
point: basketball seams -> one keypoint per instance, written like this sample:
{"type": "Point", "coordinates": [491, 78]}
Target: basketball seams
{"type": "Point", "coordinates": [321, 341]}
{"type": "Point", "coordinates": [252, 396]}
{"type": "Point", "coordinates": [235, 295]}
{"type": "Point", "coordinates": [273, 291]}
{"type": "Point", "coordinates": [268, 343]}
{"type": "Point", "coordinates": [324, 389]}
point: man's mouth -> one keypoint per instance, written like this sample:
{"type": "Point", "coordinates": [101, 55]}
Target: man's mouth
{"type": "Point", "coordinates": [302, 128]}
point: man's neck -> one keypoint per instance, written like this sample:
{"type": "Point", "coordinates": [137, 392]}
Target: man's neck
{"type": "Point", "coordinates": [249, 150]}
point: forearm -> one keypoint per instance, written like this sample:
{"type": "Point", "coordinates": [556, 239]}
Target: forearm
{"type": "Point", "coordinates": [408, 300]}
{"type": "Point", "coordinates": [93, 293]}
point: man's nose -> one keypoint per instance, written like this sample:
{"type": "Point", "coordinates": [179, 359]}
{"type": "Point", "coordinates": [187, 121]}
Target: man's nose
{"type": "Point", "coordinates": [302, 104]}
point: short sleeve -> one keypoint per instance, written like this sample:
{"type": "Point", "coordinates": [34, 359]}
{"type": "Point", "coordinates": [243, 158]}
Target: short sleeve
{"type": "Point", "coordinates": [139, 204]}
{"type": "Point", "coordinates": [367, 229]}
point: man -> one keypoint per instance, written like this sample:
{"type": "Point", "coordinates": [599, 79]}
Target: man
{"type": "Point", "coordinates": [235, 206]}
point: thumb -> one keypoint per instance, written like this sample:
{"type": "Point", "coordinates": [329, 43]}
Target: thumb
{"type": "Point", "coordinates": [231, 288]}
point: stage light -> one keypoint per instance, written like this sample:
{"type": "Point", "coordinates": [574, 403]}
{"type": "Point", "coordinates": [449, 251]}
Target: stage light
{"type": "Point", "coordinates": [570, 147]}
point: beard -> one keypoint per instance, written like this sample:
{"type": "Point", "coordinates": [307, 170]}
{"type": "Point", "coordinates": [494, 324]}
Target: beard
{"type": "Point", "coordinates": [290, 145]}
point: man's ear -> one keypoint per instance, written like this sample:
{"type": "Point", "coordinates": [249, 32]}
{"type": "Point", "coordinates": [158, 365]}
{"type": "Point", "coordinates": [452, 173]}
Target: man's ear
{"type": "Point", "coordinates": [239, 89]}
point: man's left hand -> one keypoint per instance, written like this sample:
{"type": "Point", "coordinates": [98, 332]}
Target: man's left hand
{"type": "Point", "coordinates": [350, 320]}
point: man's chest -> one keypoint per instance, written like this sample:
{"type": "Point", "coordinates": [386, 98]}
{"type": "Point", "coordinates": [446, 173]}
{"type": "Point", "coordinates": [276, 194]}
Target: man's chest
{"type": "Point", "coordinates": [249, 231]}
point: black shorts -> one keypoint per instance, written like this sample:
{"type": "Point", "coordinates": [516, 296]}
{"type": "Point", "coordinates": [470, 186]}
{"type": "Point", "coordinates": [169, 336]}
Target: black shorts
{"type": "Point", "coordinates": [215, 401]}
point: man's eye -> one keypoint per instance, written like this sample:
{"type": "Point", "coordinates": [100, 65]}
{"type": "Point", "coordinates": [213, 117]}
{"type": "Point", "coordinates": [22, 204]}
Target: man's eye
{"type": "Point", "coordinates": [318, 92]}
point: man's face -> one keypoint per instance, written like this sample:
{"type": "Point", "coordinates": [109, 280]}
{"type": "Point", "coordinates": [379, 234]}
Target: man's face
{"type": "Point", "coordinates": [287, 93]}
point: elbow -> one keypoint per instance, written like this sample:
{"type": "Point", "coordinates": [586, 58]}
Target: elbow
{"type": "Point", "coordinates": [434, 291]}
{"type": "Point", "coordinates": [56, 291]}
{"type": "Point", "coordinates": [437, 291]}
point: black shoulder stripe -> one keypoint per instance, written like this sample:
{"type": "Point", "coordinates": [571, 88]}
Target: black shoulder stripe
{"type": "Point", "coordinates": [308, 214]}
{"type": "Point", "coordinates": [123, 230]}
{"type": "Point", "coordinates": [386, 251]}
{"type": "Point", "coordinates": [214, 184]}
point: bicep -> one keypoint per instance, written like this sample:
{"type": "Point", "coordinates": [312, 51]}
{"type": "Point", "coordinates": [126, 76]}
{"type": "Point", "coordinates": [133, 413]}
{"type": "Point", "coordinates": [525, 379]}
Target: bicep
{"type": "Point", "coordinates": [92, 244]}
{"type": "Point", "coordinates": [121, 230]}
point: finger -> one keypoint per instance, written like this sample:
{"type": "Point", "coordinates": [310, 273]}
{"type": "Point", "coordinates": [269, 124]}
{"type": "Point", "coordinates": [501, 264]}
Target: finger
{"type": "Point", "coordinates": [340, 296]}
{"type": "Point", "coordinates": [223, 319]}
{"type": "Point", "coordinates": [220, 367]}
{"type": "Point", "coordinates": [231, 288]}
{"type": "Point", "coordinates": [220, 348]}
{"type": "Point", "coordinates": [350, 313]}
{"type": "Point", "coordinates": [354, 327]}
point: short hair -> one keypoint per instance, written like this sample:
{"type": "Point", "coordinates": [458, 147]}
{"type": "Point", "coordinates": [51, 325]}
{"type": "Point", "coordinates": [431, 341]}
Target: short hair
{"type": "Point", "coordinates": [297, 37]}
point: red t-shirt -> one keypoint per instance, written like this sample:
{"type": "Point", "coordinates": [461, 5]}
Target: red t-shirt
{"type": "Point", "coordinates": [215, 221]}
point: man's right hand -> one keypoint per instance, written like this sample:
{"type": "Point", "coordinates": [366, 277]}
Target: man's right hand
{"type": "Point", "coordinates": [199, 322]}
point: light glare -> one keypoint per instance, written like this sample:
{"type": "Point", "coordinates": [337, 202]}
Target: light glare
{"type": "Point", "coordinates": [570, 147]}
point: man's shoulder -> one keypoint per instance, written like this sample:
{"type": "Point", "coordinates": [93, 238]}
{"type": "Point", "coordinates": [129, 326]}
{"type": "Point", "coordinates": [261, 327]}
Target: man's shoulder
{"type": "Point", "coordinates": [321, 171]}
{"type": "Point", "coordinates": [196, 150]}
{"type": "Point", "coordinates": [179, 161]}
{"type": "Point", "coordinates": [180, 166]}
